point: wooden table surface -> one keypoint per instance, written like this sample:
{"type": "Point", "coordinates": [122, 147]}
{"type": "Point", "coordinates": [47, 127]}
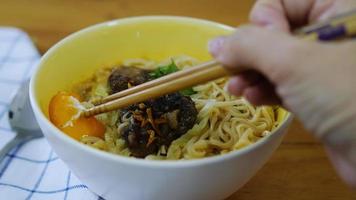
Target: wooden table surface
{"type": "Point", "coordinates": [299, 169]}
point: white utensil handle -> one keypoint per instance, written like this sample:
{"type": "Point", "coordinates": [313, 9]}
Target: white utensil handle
{"type": "Point", "coordinates": [10, 145]}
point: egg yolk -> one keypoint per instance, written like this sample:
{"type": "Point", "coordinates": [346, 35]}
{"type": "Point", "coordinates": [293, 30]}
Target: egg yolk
{"type": "Point", "coordinates": [64, 110]}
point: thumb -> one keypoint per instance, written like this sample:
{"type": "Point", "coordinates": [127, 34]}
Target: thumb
{"type": "Point", "coordinates": [270, 52]}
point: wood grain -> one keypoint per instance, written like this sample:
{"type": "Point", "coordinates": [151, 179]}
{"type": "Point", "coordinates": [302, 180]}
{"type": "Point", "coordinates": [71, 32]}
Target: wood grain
{"type": "Point", "coordinates": [299, 169]}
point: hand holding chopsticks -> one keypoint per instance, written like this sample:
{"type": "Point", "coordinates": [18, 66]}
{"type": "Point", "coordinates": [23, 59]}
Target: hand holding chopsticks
{"type": "Point", "coordinates": [337, 28]}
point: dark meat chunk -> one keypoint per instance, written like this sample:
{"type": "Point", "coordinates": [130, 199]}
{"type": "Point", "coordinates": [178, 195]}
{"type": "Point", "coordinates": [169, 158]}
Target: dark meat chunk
{"type": "Point", "coordinates": [123, 77]}
{"type": "Point", "coordinates": [137, 138]}
{"type": "Point", "coordinates": [157, 122]}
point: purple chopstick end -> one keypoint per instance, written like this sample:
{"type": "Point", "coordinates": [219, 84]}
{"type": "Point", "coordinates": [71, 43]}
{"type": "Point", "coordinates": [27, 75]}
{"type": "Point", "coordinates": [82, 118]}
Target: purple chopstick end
{"type": "Point", "coordinates": [331, 33]}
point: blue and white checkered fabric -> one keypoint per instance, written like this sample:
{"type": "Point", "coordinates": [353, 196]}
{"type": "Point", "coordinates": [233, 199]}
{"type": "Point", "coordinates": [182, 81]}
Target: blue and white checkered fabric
{"type": "Point", "coordinates": [32, 170]}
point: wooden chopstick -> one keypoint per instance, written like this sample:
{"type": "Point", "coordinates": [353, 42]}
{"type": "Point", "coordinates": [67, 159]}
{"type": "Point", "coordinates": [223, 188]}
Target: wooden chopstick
{"type": "Point", "coordinates": [335, 21]}
{"type": "Point", "coordinates": [340, 27]}
{"type": "Point", "coordinates": [155, 82]}
{"type": "Point", "coordinates": [209, 74]}
{"type": "Point", "coordinates": [346, 30]}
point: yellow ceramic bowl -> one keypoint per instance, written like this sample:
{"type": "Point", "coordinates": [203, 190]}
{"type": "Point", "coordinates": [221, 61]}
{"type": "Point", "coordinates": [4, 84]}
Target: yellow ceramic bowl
{"type": "Point", "coordinates": [114, 177]}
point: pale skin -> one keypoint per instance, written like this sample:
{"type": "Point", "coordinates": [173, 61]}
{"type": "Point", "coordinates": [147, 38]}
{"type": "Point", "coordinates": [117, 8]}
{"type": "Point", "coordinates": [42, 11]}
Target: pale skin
{"type": "Point", "coordinates": [316, 81]}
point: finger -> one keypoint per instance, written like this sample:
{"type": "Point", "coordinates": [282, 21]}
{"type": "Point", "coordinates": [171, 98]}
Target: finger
{"type": "Point", "coordinates": [286, 14]}
{"type": "Point", "coordinates": [262, 93]}
{"type": "Point", "coordinates": [281, 14]}
{"type": "Point", "coordinates": [297, 12]}
{"type": "Point", "coordinates": [323, 10]}
{"type": "Point", "coordinates": [270, 52]}
{"type": "Point", "coordinates": [270, 13]}
{"type": "Point", "coordinates": [239, 83]}
{"type": "Point", "coordinates": [304, 12]}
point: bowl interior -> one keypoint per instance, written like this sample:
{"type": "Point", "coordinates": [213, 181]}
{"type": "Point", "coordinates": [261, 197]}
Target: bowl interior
{"type": "Point", "coordinates": [77, 57]}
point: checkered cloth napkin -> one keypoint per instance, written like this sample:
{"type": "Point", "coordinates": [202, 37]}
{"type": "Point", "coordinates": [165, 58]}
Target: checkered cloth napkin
{"type": "Point", "coordinates": [31, 170]}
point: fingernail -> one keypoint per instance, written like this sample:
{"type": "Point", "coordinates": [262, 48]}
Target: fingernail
{"type": "Point", "coordinates": [215, 45]}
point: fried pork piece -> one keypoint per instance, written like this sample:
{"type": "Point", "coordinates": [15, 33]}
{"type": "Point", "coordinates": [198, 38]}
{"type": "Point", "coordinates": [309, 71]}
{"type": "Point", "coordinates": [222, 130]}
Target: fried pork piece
{"type": "Point", "coordinates": [123, 77]}
{"type": "Point", "coordinates": [156, 122]}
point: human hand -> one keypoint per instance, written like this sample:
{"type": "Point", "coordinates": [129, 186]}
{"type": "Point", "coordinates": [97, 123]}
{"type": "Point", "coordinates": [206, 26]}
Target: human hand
{"type": "Point", "coordinates": [314, 80]}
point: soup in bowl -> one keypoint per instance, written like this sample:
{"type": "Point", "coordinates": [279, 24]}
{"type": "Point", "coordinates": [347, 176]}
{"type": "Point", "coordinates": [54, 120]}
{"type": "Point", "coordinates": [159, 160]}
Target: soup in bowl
{"type": "Point", "coordinates": [199, 143]}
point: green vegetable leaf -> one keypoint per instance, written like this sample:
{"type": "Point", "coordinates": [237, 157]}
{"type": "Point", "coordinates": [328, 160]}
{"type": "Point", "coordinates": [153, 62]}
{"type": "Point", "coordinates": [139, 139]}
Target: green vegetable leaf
{"type": "Point", "coordinates": [155, 74]}
{"type": "Point", "coordinates": [164, 70]}
{"type": "Point", "coordinates": [188, 92]}
{"type": "Point", "coordinates": [167, 69]}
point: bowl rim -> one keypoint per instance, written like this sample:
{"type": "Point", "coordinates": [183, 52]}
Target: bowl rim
{"type": "Point", "coordinates": [131, 160]}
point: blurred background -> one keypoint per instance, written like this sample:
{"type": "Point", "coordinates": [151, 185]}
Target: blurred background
{"type": "Point", "coordinates": [299, 169]}
{"type": "Point", "coordinates": [47, 21]}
